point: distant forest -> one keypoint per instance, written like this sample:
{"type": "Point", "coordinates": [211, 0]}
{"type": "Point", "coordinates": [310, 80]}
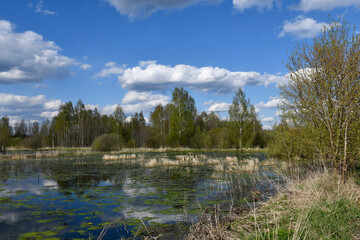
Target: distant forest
{"type": "Point", "coordinates": [175, 125]}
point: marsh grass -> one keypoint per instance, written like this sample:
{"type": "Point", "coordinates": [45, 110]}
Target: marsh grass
{"type": "Point", "coordinates": [227, 164]}
{"type": "Point", "coordinates": [317, 206]}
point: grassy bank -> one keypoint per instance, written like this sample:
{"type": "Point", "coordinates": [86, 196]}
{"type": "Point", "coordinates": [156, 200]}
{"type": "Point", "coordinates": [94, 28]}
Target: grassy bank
{"type": "Point", "coordinates": [24, 153]}
{"type": "Point", "coordinates": [319, 206]}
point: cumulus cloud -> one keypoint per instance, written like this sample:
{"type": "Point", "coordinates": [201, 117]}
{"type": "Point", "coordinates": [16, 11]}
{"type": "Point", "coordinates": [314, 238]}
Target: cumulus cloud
{"type": "Point", "coordinates": [85, 66]}
{"type": "Point", "coordinates": [134, 102]}
{"type": "Point", "coordinates": [134, 97]}
{"type": "Point", "coordinates": [52, 105]}
{"type": "Point", "coordinates": [324, 5]}
{"type": "Point", "coordinates": [29, 108]}
{"type": "Point", "coordinates": [145, 8]}
{"type": "Point", "coordinates": [26, 57]}
{"type": "Point", "coordinates": [246, 4]}
{"type": "Point", "coordinates": [272, 103]}
{"type": "Point", "coordinates": [150, 76]}
{"type": "Point", "coordinates": [142, 101]}
{"type": "Point", "coordinates": [302, 27]}
{"type": "Point", "coordinates": [219, 107]}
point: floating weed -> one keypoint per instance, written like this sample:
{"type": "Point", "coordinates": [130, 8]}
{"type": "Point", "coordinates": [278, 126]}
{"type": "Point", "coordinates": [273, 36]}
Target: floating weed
{"type": "Point", "coordinates": [5, 200]}
{"type": "Point", "coordinates": [118, 209]}
{"type": "Point", "coordinates": [20, 204]}
{"type": "Point", "coordinates": [59, 228]}
{"type": "Point", "coordinates": [36, 213]}
{"type": "Point", "coordinates": [21, 191]}
{"type": "Point", "coordinates": [37, 235]}
{"type": "Point", "coordinates": [46, 220]}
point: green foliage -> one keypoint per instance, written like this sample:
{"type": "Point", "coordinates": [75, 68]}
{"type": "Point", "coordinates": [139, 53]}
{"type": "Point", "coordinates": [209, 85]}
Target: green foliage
{"type": "Point", "coordinates": [131, 143]}
{"type": "Point", "coordinates": [5, 134]}
{"type": "Point", "coordinates": [176, 124]}
{"type": "Point", "coordinates": [34, 142]}
{"type": "Point", "coordinates": [321, 103]}
{"type": "Point", "coordinates": [244, 123]}
{"type": "Point", "coordinates": [182, 117]}
{"type": "Point", "coordinates": [107, 142]}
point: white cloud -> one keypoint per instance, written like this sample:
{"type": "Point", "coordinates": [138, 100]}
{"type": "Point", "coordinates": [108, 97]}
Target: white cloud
{"type": "Point", "coordinates": [219, 107]}
{"type": "Point", "coordinates": [40, 9]}
{"type": "Point", "coordinates": [142, 101]}
{"type": "Point", "coordinates": [11, 100]}
{"type": "Point", "coordinates": [144, 8]}
{"type": "Point", "coordinates": [267, 119]}
{"type": "Point", "coordinates": [38, 85]}
{"type": "Point", "coordinates": [85, 66]}
{"type": "Point", "coordinates": [26, 57]}
{"type": "Point", "coordinates": [111, 69]}
{"type": "Point", "coordinates": [110, 64]}
{"type": "Point", "coordinates": [149, 76]}
{"type": "Point", "coordinates": [272, 103]}
{"type": "Point", "coordinates": [134, 102]}
{"type": "Point", "coordinates": [302, 27]}
{"type": "Point", "coordinates": [30, 108]}
{"type": "Point", "coordinates": [246, 4]}
{"type": "Point", "coordinates": [108, 109]}
{"type": "Point", "coordinates": [52, 105]}
{"type": "Point", "coordinates": [133, 97]}
{"type": "Point", "coordinates": [324, 5]}
{"type": "Point", "coordinates": [49, 114]}
{"type": "Point", "coordinates": [92, 107]}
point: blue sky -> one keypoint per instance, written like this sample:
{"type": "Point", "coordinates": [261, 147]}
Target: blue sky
{"type": "Point", "coordinates": [134, 52]}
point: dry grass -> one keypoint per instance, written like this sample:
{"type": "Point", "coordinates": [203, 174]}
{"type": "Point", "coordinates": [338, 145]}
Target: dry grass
{"type": "Point", "coordinates": [227, 164]}
{"type": "Point", "coordinates": [319, 206]}
{"type": "Point", "coordinates": [250, 165]}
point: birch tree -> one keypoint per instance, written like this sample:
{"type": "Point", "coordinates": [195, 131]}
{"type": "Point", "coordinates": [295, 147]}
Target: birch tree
{"type": "Point", "coordinates": [239, 114]}
{"type": "Point", "coordinates": [183, 116]}
{"type": "Point", "coordinates": [323, 92]}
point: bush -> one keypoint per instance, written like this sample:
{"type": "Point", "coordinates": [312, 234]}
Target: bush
{"type": "Point", "coordinates": [33, 142]}
{"type": "Point", "coordinates": [107, 142]}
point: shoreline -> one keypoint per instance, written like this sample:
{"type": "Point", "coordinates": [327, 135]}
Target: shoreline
{"type": "Point", "coordinates": [24, 153]}
{"type": "Point", "coordinates": [315, 207]}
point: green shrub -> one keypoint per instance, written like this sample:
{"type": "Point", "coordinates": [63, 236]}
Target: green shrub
{"type": "Point", "coordinates": [107, 142]}
{"type": "Point", "coordinates": [33, 142]}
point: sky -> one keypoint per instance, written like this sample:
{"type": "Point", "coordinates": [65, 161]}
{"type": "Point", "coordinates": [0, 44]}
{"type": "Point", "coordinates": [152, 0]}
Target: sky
{"type": "Point", "coordinates": [133, 53]}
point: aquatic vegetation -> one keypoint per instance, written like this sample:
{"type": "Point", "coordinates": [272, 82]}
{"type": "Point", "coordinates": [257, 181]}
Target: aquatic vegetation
{"type": "Point", "coordinates": [5, 199]}
{"type": "Point", "coordinates": [38, 235]}
{"type": "Point", "coordinates": [81, 196]}
{"type": "Point", "coordinates": [250, 165]}
{"type": "Point", "coordinates": [227, 164]}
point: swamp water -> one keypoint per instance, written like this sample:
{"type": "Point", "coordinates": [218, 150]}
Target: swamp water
{"type": "Point", "coordinates": [88, 197]}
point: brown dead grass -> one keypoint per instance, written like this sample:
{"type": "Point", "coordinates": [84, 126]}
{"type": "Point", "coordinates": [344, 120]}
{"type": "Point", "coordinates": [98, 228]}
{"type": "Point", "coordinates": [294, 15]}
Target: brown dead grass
{"type": "Point", "coordinates": [296, 198]}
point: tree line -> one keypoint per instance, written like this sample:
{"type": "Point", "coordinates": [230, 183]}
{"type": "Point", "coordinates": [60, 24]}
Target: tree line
{"type": "Point", "coordinates": [176, 124]}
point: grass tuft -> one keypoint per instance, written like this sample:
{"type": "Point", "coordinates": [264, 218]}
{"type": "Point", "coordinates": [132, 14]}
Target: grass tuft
{"type": "Point", "coordinates": [318, 206]}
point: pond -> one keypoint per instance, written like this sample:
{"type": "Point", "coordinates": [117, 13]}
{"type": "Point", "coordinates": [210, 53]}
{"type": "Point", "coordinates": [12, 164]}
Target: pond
{"type": "Point", "coordinates": [123, 196]}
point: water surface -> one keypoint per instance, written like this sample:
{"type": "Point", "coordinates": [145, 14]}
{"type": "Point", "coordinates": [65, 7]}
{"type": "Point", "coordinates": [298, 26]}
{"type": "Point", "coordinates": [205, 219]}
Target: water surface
{"type": "Point", "coordinates": [85, 197]}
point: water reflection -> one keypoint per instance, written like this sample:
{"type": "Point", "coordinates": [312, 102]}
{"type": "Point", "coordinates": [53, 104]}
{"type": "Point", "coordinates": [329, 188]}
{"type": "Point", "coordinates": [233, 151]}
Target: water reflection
{"type": "Point", "coordinates": [75, 197]}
